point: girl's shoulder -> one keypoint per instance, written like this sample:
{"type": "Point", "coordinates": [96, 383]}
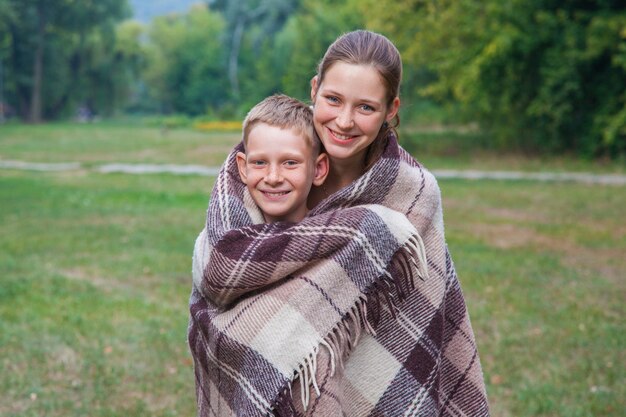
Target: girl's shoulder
{"type": "Point", "coordinates": [420, 173]}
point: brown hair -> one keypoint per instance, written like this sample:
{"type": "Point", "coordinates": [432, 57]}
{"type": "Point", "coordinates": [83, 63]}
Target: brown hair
{"type": "Point", "coordinates": [284, 112]}
{"type": "Point", "coordinates": [363, 47]}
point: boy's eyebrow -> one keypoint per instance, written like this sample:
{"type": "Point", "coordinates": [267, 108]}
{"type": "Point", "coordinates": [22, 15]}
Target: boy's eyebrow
{"type": "Point", "coordinates": [285, 154]}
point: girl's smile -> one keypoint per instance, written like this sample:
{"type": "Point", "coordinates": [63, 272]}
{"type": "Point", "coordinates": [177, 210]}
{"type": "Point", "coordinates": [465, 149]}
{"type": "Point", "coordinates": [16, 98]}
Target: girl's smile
{"type": "Point", "coordinates": [350, 108]}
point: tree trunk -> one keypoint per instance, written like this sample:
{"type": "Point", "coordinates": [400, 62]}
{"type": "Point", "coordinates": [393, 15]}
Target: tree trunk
{"type": "Point", "coordinates": [234, 57]}
{"type": "Point", "coordinates": [35, 102]}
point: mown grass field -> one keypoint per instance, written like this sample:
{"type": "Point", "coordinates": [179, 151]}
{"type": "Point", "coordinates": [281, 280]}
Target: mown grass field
{"type": "Point", "coordinates": [95, 276]}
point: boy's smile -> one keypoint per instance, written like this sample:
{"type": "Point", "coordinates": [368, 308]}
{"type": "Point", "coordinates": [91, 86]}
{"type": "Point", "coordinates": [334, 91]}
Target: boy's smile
{"type": "Point", "coordinates": [279, 168]}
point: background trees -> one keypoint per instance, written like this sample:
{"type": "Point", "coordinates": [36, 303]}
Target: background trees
{"type": "Point", "coordinates": [544, 75]}
{"type": "Point", "coordinates": [185, 63]}
{"type": "Point", "coordinates": [541, 74]}
{"type": "Point", "coordinates": [54, 51]}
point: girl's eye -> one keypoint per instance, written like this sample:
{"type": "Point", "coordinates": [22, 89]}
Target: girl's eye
{"type": "Point", "coordinates": [332, 99]}
{"type": "Point", "coordinates": [367, 108]}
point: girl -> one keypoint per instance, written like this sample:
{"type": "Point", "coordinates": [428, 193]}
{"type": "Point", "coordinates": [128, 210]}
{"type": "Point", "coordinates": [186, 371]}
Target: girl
{"type": "Point", "coordinates": [357, 309]}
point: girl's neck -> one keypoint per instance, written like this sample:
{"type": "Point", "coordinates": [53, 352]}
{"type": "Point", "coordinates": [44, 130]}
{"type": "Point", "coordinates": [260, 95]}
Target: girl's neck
{"type": "Point", "coordinates": [344, 172]}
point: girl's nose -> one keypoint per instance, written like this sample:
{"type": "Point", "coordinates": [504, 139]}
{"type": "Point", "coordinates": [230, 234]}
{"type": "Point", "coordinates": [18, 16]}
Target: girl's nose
{"type": "Point", "coordinates": [344, 119]}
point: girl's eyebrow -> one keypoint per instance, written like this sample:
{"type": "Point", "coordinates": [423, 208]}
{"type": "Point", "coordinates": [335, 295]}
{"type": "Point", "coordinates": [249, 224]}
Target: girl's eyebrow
{"type": "Point", "coordinates": [331, 92]}
{"type": "Point", "coordinates": [365, 100]}
{"type": "Point", "coordinates": [373, 103]}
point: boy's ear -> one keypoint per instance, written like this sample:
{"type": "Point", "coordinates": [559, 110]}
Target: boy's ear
{"type": "Point", "coordinates": [314, 88]}
{"type": "Point", "coordinates": [322, 167]}
{"type": "Point", "coordinates": [241, 166]}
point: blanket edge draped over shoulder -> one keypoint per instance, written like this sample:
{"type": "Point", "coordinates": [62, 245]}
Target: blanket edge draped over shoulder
{"type": "Point", "coordinates": [283, 316]}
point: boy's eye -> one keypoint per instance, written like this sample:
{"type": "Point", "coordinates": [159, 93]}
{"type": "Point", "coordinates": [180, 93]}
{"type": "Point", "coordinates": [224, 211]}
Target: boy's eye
{"type": "Point", "coordinates": [291, 163]}
{"type": "Point", "coordinates": [257, 162]}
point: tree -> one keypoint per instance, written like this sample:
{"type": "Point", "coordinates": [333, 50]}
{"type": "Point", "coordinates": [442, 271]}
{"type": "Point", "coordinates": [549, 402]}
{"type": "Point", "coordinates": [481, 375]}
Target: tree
{"type": "Point", "coordinates": [186, 62]}
{"type": "Point", "coordinates": [305, 38]}
{"type": "Point", "coordinates": [128, 63]}
{"type": "Point", "coordinates": [268, 15]}
{"type": "Point", "coordinates": [7, 15]}
{"type": "Point", "coordinates": [47, 36]}
{"type": "Point", "coordinates": [545, 75]}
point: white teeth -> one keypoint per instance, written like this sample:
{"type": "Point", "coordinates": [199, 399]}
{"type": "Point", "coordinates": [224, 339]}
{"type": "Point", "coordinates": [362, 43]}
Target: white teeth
{"type": "Point", "coordinates": [276, 194]}
{"type": "Point", "coordinates": [340, 136]}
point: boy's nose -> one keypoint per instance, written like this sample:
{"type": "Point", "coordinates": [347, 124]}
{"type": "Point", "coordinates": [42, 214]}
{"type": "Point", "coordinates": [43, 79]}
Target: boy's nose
{"type": "Point", "coordinates": [273, 176]}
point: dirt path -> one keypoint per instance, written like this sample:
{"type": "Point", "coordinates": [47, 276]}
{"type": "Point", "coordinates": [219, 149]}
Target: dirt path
{"type": "Point", "coordinates": [581, 177]}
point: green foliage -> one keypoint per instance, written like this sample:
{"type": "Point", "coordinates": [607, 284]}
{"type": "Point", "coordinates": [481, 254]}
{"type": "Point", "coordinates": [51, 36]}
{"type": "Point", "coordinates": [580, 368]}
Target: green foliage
{"type": "Point", "coordinates": [128, 61]}
{"type": "Point", "coordinates": [539, 75]}
{"type": "Point", "coordinates": [185, 62]}
{"type": "Point", "coordinates": [56, 54]}
{"type": "Point", "coordinates": [305, 38]}
{"type": "Point", "coordinates": [542, 76]}
{"type": "Point", "coordinates": [250, 22]}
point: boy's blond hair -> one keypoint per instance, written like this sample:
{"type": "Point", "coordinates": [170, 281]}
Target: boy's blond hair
{"type": "Point", "coordinates": [283, 112]}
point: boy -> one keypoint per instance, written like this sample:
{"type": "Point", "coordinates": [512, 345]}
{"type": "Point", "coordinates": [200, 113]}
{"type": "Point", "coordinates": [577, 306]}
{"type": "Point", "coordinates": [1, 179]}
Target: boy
{"type": "Point", "coordinates": [282, 158]}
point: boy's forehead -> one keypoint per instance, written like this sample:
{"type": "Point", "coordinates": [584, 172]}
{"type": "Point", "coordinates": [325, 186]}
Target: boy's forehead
{"type": "Point", "coordinates": [265, 131]}
{"type": "Point", "coordinates": [273, 140]}
{"type": "Point", "coordinates": [270, 126]}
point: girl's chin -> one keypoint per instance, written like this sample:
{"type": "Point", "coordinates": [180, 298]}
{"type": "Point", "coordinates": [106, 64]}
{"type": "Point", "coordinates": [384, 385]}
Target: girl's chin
{"type": "Point", "coordinates": [345, 154]}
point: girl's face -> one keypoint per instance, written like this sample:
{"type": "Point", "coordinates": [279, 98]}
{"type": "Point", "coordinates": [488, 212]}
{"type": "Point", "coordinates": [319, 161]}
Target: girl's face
{"type": "Point", "coordinates": [350, 108]}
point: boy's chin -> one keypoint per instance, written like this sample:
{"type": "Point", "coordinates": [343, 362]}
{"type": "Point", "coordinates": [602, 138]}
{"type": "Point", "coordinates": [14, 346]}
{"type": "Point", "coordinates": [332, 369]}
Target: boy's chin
{"type": "Point", "coordinates": [281, 215]}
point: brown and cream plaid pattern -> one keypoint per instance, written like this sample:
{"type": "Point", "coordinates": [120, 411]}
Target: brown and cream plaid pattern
{"type": "Point", "coordinates": [355, 311]}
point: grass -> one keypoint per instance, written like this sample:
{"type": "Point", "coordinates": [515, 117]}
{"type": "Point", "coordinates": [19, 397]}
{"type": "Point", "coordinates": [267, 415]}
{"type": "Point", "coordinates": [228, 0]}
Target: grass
{"type": "Point", "coordinates": [106, 143]}
{"type": "Point", "coordinates": [542, 266]}
{"type": "Point", "coordinates": [95, 276]}
{"type": "Point", "coordinates": [128, 142]}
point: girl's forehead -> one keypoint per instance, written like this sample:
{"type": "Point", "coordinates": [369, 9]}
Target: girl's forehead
{"type": "Point", "coordinates": [355, 80]}
{"type": "Point", "coordinates": [345, 69]}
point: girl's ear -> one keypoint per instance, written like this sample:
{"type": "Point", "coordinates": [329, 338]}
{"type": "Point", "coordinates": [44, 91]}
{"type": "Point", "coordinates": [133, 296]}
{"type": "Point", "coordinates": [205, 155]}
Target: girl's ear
{"type": "Point", "coordinates": [314, 87]}
{"type": "Point", "coordinates": [241, 166]}
{"type": "Point", "coordinates": [393, 109]}
{"type": "Point", "coordinates": [322, 167]}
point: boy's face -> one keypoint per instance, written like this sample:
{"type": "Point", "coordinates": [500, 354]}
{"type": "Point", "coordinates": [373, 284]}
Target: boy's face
{"type": "Point", "coordinates": [278, 169]}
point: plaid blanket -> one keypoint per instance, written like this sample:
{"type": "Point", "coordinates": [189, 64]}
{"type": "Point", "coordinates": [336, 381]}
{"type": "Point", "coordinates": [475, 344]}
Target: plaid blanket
{"type": "Point", "coordinates": [356, 310]}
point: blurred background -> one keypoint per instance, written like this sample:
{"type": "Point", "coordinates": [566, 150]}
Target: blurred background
{"type": "Point", "coordinates": [538, 75]}
{"type": "Point", "coordinates": [114, 115]}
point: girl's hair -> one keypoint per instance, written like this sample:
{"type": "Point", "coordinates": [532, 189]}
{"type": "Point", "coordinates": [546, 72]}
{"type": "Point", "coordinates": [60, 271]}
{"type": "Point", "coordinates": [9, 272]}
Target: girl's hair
{"type": "Point", "coordinates": [363, 47]}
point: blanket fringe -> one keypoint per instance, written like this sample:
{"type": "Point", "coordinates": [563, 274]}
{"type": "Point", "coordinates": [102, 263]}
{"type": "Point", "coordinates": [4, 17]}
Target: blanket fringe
{"type": "Point", "coordinates": [345, 336]}
{"type": "Point", "coordinates": [416, 247]}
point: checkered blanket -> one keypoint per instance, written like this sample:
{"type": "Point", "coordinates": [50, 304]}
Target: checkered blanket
{"type": "Point", "coordinates": [354, 311]}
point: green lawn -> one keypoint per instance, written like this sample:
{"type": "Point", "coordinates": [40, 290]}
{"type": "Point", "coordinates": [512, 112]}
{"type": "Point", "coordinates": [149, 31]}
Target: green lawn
{"type": "Point", "coordinates": [92, 144]}
{"type": "Point", "coordinates": [100, 143]}
{"type": "Point", "coordinates": [95, 277]}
